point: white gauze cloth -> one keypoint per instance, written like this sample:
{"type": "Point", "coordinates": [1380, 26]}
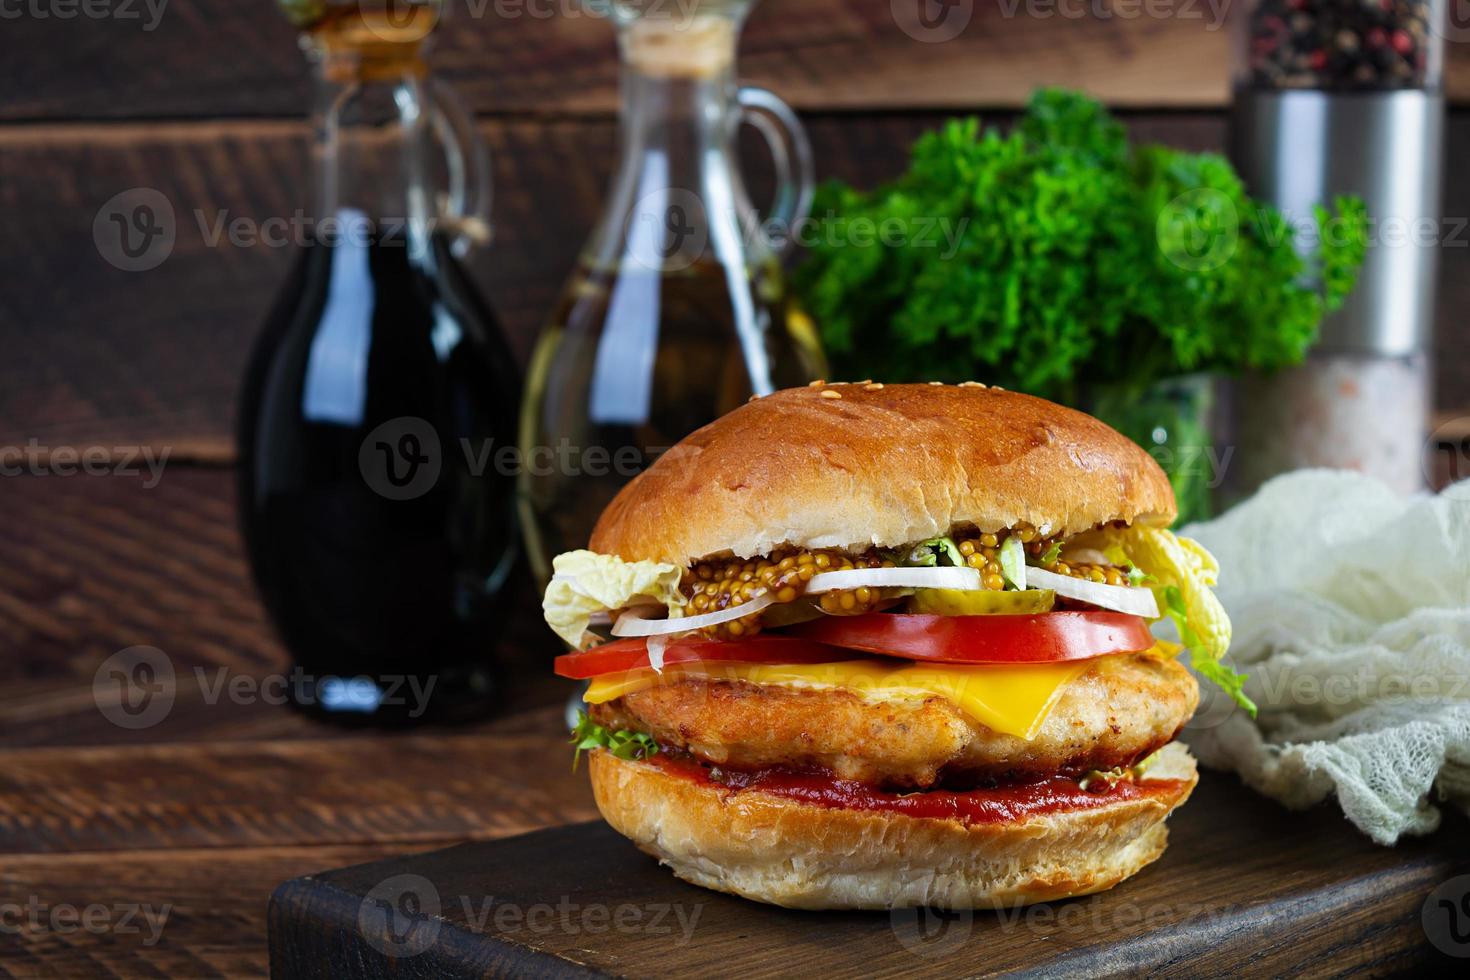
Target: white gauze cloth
{"type": "Point", "coordinates": [1351, 608]}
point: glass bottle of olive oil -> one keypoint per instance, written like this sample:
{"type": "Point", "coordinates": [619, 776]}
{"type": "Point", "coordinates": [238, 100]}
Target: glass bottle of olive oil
{"type": "Point", "coordinates": [678, 311]}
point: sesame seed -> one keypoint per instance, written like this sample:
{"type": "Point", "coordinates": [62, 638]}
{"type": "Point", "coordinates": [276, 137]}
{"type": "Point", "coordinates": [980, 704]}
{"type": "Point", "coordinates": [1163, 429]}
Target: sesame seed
{"type": "Point", "coordinates": [937, 383]}
{"type": "Point", "coordinates": [971, 384]}
{"type": "Point", "coordinates": [816, 384]}
{"type": "Point", "coordinates": [874, 386]}
{"type": "Point", "coordinates": [829, 393]}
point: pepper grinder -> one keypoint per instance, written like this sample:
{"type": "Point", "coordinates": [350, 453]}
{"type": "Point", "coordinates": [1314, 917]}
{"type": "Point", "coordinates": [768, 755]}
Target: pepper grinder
{"type": "Point", "coordinates": [1346, 97]}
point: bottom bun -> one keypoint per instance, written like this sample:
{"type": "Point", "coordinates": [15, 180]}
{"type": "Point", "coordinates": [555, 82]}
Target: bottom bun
{"type": "Point", "coordinates": [778, 850]}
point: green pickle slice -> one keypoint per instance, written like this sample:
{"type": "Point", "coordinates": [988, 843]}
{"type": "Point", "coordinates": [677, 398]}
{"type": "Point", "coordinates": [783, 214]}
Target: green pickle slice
{"type": "Point", "coordinates": [989, 602]}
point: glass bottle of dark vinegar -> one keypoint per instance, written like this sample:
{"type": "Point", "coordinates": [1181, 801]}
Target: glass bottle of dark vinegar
{"type": "Point", "coordinates": [378, 529]}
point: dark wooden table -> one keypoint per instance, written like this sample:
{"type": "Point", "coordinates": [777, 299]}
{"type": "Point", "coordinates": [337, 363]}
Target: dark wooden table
{"type": "Point", "coordinates": [1245, 889]}
{"type": "Point", "coordinates": [196, 819]}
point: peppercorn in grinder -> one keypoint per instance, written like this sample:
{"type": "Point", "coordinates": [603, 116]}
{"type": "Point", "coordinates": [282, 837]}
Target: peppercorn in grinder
{"type": "Point", "coordinates": [1346, 97]}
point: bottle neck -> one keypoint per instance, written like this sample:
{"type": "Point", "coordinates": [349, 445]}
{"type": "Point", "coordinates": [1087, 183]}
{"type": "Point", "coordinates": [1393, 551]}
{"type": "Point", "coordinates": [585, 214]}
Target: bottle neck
{"type": "Point", "coordinates": [371, 143]}
{"type": "Point", "coordinates": [678, 89]}
{"type": "Point", "coordinates": [681, 119]}
{"type": "Point", "coordinates": [679, 116]}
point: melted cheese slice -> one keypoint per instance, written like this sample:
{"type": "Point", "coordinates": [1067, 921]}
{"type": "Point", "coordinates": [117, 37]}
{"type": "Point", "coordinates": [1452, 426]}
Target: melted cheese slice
{"type": "Point", "coordinates": [1007, 698]}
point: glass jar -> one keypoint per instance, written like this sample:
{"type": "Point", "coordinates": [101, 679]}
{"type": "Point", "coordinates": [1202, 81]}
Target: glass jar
{"type": "Point", "coordinates": [1174, 420]}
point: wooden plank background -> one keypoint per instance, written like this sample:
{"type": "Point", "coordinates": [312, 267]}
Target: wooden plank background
{"type": "Point", "coordinates": [207, 105]}
{"type": "Point", "coordinates": [210, 58]}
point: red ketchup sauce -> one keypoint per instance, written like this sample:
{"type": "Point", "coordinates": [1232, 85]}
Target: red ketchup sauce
{"type": "Point", "coordinates": [999, 804]}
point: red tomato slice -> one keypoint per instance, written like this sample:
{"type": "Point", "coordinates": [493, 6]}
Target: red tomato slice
{"type": "Point", "coordinates": [1040, 638]}
{"type": "Point", "coordinates": [631, 654]}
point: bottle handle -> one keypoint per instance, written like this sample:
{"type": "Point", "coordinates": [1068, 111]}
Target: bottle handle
{"type": "Point", "coordinates": [465, 208]}
{"type": "Point", "coordinates": [792, 153]}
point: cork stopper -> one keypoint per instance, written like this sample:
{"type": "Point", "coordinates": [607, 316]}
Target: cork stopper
{"type": "Point", "coordinates": [697, 47]}
{"type": "Point", "coordinates": [369, 44]}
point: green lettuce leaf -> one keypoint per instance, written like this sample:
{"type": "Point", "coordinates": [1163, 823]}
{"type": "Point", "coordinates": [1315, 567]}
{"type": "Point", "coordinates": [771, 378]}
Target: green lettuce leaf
{"type": "Point", "coordinates": [1216, 671]}
{"type": "Point", "coordinates": [927, 553]}
{"type": "Point", "coordinates": [588, 735]}
{"type": "Point", "coordinates": [1182, 575]}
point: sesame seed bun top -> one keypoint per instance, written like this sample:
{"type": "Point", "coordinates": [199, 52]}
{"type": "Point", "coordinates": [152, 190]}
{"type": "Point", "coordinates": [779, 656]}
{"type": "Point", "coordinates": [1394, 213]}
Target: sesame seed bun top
{"type": "Point", "coordinates": [856, 466]}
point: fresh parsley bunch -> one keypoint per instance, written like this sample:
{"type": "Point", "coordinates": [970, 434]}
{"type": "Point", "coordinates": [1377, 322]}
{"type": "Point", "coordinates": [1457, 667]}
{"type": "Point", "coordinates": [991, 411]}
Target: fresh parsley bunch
{"type": "Point", "coordinates": [1073, 258]}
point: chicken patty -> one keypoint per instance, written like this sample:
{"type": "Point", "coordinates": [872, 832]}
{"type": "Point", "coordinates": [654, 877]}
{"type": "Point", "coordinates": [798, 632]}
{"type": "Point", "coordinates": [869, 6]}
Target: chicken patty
{"type": "Point", "coordinates": [1115, 713]}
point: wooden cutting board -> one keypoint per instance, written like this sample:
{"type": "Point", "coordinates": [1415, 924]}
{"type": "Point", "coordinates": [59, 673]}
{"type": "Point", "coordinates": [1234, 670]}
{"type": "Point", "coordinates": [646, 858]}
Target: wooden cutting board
{"type": "Point", "coordinates": [1245, 887]}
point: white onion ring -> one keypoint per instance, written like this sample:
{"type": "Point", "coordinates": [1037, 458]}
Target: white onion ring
{"type": "Point", "coordinates": [605, 617]}
{"type": "Point", "coordinates": [656, 645]}
{"type": "Point", "coordinates": [1120, 598]}
{"type": "Point", "coordinates": [1085, 556]}
{"type": "Point", "coordinates": [633, 623]}
{"type": "Point", "coordinates": [964, 579]}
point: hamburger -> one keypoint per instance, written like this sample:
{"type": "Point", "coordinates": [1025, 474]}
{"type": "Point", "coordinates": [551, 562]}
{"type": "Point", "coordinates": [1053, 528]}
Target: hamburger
{"type": "Point", "coordinates": [881, 645]}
